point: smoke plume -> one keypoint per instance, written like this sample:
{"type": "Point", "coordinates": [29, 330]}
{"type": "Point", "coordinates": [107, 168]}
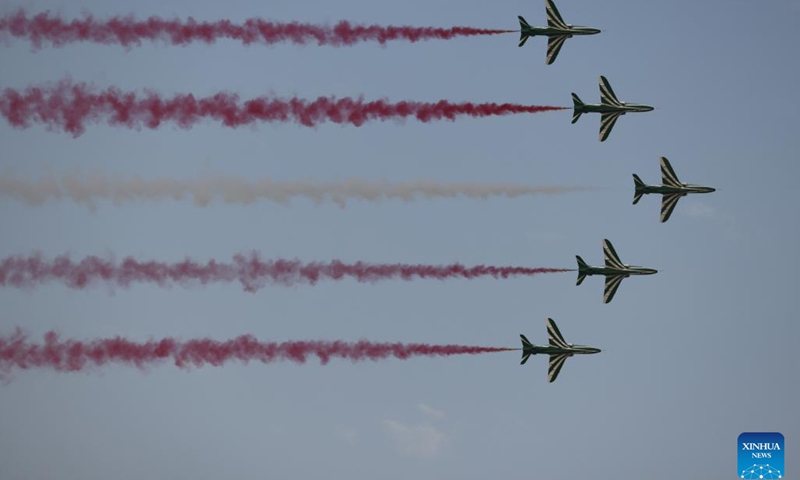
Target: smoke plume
{"type": "Point", "coordinates": [70, 106]}
{"type": "Point", "coordinates": [127, 31]}
{"type": "Point", "coordinates": [88, 188]}
{"type": "Point", "coordinates": [74, 355]}
{"type": "Point", "coordinates": [250, 270]}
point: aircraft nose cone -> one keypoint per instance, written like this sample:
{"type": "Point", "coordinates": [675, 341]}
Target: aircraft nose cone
{"type": "Point", "coordinates": [711, 189]}
{"type": "Point", "coordinates": [648, 108]}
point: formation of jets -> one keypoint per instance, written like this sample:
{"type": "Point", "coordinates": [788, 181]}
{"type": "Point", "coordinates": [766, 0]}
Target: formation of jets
{"type": "Point", "coordinates": [558, 31]}
{"type": "Point", "coordinates": [610, 109]}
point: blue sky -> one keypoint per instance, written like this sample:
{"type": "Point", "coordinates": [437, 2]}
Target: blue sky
{"type": "Point", "coordinates": [692, 356]}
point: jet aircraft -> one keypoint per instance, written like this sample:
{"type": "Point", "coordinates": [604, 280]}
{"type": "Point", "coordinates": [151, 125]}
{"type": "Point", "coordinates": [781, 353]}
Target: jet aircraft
{"type": "Point", "coordinates": [610, 108]}
{"type": "Point", "coordinates": [558, 349]}
{"type": "Point", "coordinates": [556, 30]}
{"type": "Point", "coordinates": [614, 270]}
{"type": "Point", "coordinates": [672, 190]}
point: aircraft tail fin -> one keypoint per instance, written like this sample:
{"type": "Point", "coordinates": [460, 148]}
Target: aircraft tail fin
{"type": "Point", "coordinates": [577, 105]}
{"type": "Point", "coordinates": [523, 30]}
{"type": "Point", "coordinates": [582, 266]}
{"type": "Point", "coordinates": [639, 185]}
{"type": "Point", "coordinates": [526, 349]}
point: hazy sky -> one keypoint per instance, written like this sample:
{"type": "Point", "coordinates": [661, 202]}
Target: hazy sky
{"type": "Point", "coordinates": [692, 356]}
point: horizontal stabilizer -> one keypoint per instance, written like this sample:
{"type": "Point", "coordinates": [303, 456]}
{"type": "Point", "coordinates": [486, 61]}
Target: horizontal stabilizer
{"type": "Point", "coordinates": [526, 349]}
{"type": "Point", "coordinates": [582, 266]}
{"type": "Point", "coordinates": [638, 185]}
{"type": "Point", "coordinates": [637, 182]}
{"type": "Point", "coordinates": [523, 31]}
{"type": "Point", "coordinates": [577, 104]}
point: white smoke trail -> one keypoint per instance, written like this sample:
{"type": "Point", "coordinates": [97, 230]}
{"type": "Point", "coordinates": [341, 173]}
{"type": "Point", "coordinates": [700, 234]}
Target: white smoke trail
{"type": "Point", "coordinates": [87, 188]}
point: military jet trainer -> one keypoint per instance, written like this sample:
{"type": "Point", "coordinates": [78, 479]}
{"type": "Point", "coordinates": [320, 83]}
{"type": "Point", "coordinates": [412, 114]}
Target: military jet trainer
{"type": "Point", "coordinates": [558, 349]}
{"type": "Point", "coordinates": [610, 108]}
{"type": "Point", "coordinates": [614, 270]}
{"type": "Point", "coordinates": [557, 31]}
{"type": "Point", "coordinates": [672, 190]}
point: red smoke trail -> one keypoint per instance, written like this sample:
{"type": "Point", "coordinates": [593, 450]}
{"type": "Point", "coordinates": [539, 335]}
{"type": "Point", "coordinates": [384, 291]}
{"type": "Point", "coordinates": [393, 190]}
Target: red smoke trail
{"type": "Point", "coordinates": [127, 31]}
{"type": "Point", "coordinates": [74, 355]}
{"type": "Point", "coordinates": [69, 106]}
{"type": "Point", "coordinates": [251, 271]}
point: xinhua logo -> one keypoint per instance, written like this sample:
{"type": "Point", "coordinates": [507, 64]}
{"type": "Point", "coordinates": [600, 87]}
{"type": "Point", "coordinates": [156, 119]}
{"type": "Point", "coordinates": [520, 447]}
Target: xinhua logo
{"type": "Point", "coordinates": [761, 455]}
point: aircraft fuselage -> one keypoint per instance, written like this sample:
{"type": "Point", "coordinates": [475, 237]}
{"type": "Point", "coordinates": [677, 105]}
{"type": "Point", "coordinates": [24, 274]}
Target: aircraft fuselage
{"type": "Point", "coordinates": [551, 350]}
{"type": "Point", "coordinates": [666, 189]}
{"type": "Point", "coordinates": [630, 270]}
{"type": "Point", "coordinates": [554, 31]}
{"type": "Point", "coordinates": [601, 108]}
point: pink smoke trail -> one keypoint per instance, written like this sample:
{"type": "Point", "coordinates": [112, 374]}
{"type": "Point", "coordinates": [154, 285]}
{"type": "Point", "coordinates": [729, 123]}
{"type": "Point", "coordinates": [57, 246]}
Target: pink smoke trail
{"type": "Point", "coordinates": [74, 355]}
{"type": "Point", "coordinates": [127, 31]}
{"type": "Point", "coordinates": [254, 273]}
{"type": "Point", "coordinates": [70, 106]}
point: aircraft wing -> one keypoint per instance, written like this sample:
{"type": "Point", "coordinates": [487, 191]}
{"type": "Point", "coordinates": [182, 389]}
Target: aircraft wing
{"type": "Point", "coordinates": [668, 203]}
{"type": "Point", "coordinates": [668, 176]}
{"type": "Point", "coordinates": [607, 95]}
{"type": "Point", "coordinates": [554, 45]}
{"type": "Point", "coordinates": [556, 364]}
{"type": "Point", "coordinates": [553, 17]}
{"type": "Point", "coordinates": [610, 255]}
{"type": "Point", "coordinates": [612, 284]}
{"type": "Point", "coordinates": [554, 334]}
{"type": "Point", "coordinates": [607, 121]}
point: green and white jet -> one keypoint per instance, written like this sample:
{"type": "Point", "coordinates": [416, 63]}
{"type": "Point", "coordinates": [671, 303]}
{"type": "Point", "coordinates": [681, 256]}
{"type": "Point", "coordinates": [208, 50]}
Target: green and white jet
{"type": "Point", "coordinates": [610, 108]}
{"type": "Point", "coordinates": [558, 349]}
{"type": "Point", "coordinates": [557, 30]}
{"type": "Point", "coordinates": [672, 190]}
{"type": "Point", "coordinates": [614, 270]}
